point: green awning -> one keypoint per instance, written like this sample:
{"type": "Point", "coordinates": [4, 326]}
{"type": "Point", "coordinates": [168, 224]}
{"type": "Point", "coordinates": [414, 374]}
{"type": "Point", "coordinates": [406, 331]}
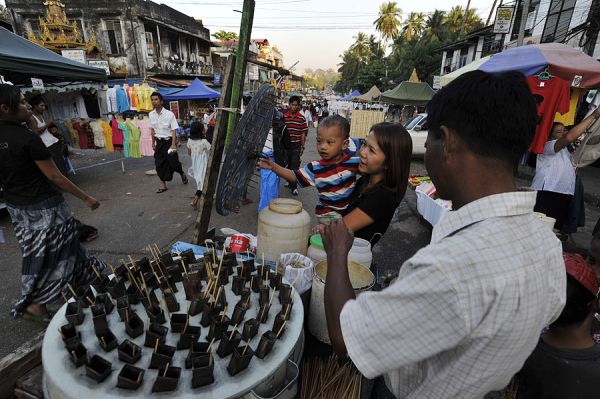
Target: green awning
{"type": "Point", "coordinates": [408, 93]}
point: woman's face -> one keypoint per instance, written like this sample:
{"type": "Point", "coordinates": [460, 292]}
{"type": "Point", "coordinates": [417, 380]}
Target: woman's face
{"type": "Point", "coordinates": [372, 158]}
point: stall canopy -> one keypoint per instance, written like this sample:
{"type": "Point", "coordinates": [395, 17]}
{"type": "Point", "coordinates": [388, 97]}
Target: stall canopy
{"type": "Point", "coordinates": [368, 96]}
{"type": "Point", "coordinates": [444, 80]}
{"type": "Point", "coordinates": [568, 63]}
{"type": "Point", "coordinates": [355, 93]}
{"type": "Point", "coordinates": [21, 60]}
{"type": "Point", "coordinates": [167, 91]}
{"type": "Point", "coordinates": [408, 93]}
{"type": "Point", "coordinates": [196, 90]}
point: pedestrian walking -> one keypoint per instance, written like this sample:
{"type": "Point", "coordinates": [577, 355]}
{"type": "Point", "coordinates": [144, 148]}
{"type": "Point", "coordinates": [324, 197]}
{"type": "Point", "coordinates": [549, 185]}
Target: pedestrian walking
{"type": "Point", "coordinates": [198, 149]}
{"type": "Point", "coordinates": [164, 142]}
{"type": "Point", "coordinates": [44, 225]}
{"type": "Point", "coordinates": [297, 128]}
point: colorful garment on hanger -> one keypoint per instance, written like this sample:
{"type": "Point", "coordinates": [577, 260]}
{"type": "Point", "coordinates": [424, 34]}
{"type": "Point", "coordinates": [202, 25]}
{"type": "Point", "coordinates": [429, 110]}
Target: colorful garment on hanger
{"type": "Point", "coordinates": [145, 103]}
{"type": "Point", "coordinates": [98, 133]}
{"type": "Point", "coordinates": [80, 105]}
{"type": "Point", "coordinates": [568, 119]}
{"type": "Point", "coordinates": [122, 101]}
{"type": "Point", "coordinates": [72, 132]}
{"type": "Point", "coordinates": [123, 128]}
{"type": "Point", "coordinates": [146, 137]}
{"type": "Point", "coordinates": [134, 139]}
{"type": "Point", "coordinates": [552, 96]}
{"type": "Point", "coordinates": [84, 143]}
{"type": "Point", "coordinates": [107, 131]}
{"type": "Point", "coordinates": [117, 135]}
{"type": "Point", "coordinates": [111, 100]}
{"type": "Point", "coordinates": [132, 97]}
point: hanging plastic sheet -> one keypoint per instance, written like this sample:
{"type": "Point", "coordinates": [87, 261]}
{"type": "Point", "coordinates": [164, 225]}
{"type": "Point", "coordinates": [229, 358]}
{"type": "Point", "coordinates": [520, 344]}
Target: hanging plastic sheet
{"type": "Point", "coordinates": [269, 186]}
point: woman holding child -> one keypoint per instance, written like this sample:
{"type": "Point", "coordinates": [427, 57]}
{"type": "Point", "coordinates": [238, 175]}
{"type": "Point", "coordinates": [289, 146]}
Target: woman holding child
{"type": "Point", "coordinates": [364, 190]}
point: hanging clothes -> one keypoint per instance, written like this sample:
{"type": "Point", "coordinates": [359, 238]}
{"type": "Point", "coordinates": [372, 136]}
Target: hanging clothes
{"type": "Point", "coordinates": [123, 128]}
{"type": "Point", "coordinates": [568, 119]}
{"type": "Point", "coordinates": [103, 102]}
{"type": "Point", "coordinates": [72, 132]}
{"type": "Point", "coordinates": [552, 96]}
{"type": "Point", "coordinates": [98, 133]}
{"type": "Point", "coordinates": [82, 134]}
{"type": "Point", "coordinates": [199, 152]}
{"type": "Point", "coordinates": [80, 105]}
{"type": "Point", "coordinates": [111, 100]}
{"type": "Point", "coordinates": [117, 135]}
{"type": "Point", "coordinates": [107, 131]}
{"type": "Point", "coordinates": [146, 137]}
{"type": "Point", "coordinates": [122, 101]}
{"type": "Point", "coordinates": [131, 97]}
{"type": "Point", "coordinates": [134, 139]}
{"type": "Point", "coordinates": [91, 105]}
{"type": "Point", "coordinates": [145, 103]}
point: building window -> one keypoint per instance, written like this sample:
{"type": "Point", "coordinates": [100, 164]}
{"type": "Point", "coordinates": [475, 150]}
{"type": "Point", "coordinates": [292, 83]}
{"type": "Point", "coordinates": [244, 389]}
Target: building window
{"type": "Point", "coordinates": [558, 21]}
{"type": "Point", "coordinates": [34, 27]}
{"type": "Point", "coordinates": [113, 37]}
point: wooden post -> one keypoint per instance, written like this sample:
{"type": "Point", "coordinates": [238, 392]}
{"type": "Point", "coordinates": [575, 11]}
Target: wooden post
{"type": "Point", "coordinates": [205, 204]}
{"type": "Point", "coordinates": [240, 64]}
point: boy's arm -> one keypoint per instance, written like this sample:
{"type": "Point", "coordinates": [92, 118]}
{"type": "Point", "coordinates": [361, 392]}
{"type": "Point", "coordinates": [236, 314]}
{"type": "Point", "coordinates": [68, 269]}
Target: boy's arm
{"type": "Point", "coordinates": [267, 163]}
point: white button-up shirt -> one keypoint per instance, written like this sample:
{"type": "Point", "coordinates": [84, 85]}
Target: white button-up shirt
{"type": "Point", "coordinates": [465, 311]}
{"type": "Point", "coordinates": [163, 123]}
{"type": "Point", "coordinates": [554, 171]}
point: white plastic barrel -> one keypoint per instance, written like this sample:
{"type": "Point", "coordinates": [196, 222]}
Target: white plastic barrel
{"type": "Point", "coordinates": [360, 251]}
{"type": "Point", "coordinates": [361, 279]}
{"type": "Point", "coordinates": [283, 227]}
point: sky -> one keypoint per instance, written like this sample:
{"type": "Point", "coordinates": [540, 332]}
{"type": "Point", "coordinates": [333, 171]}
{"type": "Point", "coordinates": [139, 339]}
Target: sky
{"type": "Point", "coordinates": [313, 32]}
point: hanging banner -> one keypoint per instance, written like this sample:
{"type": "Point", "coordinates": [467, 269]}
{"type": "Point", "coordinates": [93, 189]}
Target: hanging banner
{"type": "Point", "coordinates": [436, 83]}
{"type": "Point", "coordinates": [37, 84]}
{"type": "Point", "coordinates": [74, 55]}
{"type": "Point", "coordinates": [217, 79]}
{"type": "Point", "coordinates": [504, 17]}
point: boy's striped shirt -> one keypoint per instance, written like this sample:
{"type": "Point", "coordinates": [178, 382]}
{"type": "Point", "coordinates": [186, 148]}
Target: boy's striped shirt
{"type": "Point", "coordinates": [296, 126]}
{"type": "Point", "coordinates": [334, 181]}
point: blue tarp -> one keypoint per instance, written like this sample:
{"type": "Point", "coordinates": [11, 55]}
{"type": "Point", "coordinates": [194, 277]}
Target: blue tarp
{"type": "Point", "coordinates": [196, 90]}
{"type": "Point", "coordinates": [167, 91]}
{"type": "Point", "coordinates": [350, 96]}
{"type": "Point", "coordinates": [528, 60]}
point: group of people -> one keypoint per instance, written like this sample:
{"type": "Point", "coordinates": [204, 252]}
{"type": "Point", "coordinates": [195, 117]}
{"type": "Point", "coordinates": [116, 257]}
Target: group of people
{"type": "Point", "coordinates": [465, 313]}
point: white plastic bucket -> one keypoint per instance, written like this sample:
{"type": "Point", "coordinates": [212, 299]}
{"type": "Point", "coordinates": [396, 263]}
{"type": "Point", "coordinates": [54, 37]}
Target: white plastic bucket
{"type": "Point", "coordinates": [360, 251]}
{"type": "Point", "coordinates": [361, 279]}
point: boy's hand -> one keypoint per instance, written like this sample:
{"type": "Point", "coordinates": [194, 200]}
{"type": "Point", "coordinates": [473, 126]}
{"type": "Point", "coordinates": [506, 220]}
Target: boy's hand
{"type": "Point", "coordinates": [266, 163]}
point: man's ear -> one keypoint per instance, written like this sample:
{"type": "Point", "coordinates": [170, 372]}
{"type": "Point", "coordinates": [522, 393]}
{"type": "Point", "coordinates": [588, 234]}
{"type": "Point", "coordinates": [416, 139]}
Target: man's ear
{"type": "Point", "coordinates": [451, 143]}
{"type": "Point", "coordinates": [4, 109]}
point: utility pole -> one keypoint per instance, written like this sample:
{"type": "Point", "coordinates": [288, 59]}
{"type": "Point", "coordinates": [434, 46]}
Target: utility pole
{"type": "Point", "coordinates": [237, 87]}
{"type": "Point", "coordinates": [464, 21]}
{"type": "Point", "coordinates": [491, 13]}
{"type": "Point", "coordinates": [524, 13]}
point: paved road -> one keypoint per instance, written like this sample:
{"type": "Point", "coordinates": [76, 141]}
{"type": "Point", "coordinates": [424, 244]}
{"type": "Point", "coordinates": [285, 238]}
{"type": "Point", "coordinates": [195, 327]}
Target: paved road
{"type": "Point", "coordinates": [132, 215]}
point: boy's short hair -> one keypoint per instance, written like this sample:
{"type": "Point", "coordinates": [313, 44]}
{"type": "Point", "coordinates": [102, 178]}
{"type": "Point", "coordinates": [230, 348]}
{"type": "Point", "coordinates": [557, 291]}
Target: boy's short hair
{"type": "Point", "coordinates": [495, 114]}
{"type": "Point", "coordinates": [157, 94]}
{"type": "Point", "coordinates": [339, 121]}
{"type": "Point", "coordinates": [295, 99]}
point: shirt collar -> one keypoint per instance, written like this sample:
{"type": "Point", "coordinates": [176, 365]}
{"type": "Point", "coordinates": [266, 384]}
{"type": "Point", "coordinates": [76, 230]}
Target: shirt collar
{"type": "Point", "coordinates": [498, 205]}
{"type": "Point", "coordinates": [343, 159]}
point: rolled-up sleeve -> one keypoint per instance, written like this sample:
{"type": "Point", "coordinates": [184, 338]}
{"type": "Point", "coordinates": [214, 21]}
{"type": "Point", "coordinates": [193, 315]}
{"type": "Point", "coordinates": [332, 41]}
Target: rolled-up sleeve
{"type": "Point", "coordinates": [415, 318]}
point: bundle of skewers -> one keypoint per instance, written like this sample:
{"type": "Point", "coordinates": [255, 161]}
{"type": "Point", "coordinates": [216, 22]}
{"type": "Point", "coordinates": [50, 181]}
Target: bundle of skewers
{"type": "Point", "coordinates": [328, 379]}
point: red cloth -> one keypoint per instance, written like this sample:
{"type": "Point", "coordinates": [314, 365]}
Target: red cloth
{"type": "Point", "coordinates": [552, 96]}
{"type": "Point", "coordinates": [581, 271]}
{"type": "Point", "coordinates": [117, 137]}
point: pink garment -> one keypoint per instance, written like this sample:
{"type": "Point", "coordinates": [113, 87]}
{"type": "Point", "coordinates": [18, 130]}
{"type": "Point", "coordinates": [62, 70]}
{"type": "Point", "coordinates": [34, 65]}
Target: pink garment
{"type": "Point", "coordinates": [146, 137]}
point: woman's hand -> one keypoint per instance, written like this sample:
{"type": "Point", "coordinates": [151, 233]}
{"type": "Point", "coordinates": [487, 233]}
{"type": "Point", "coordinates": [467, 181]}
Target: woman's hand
{"type": "Point", "coordinates": [91, 203]}
{"type": "Point", "coordinates": [266, 163]}
{"type": "Point", "coordinates": [318, 229]}
{"type": "Point", "coordinates": [337, 239]}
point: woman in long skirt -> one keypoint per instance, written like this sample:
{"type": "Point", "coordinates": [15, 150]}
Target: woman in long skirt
{"type": "Point", "coordinates": [44, 225]}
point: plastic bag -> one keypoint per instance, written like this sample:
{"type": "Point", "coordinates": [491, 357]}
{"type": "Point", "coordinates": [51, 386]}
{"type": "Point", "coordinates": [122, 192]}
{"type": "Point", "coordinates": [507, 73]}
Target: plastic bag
{"type": "Point", "coordinates": [269, 188]}
{"type": "Point", "coordinates": [300, 277]}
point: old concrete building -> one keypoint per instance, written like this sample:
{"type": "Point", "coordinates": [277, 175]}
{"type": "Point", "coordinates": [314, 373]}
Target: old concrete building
{"type": "Point", "coordinates": [138, 38]}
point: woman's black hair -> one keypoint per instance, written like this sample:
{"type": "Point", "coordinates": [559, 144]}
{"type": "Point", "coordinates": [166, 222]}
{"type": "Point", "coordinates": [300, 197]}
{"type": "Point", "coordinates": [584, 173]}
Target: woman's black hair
{"type": "Point", "coordinates": [197, 131]}
{"type": "Point", "coordinates": [36, 100]}
{"type": "Point", "coordinates": [580, 303]}
{"type": "Point", "coordinates": [396, 144]}
{"type": "Point", "coordinates": [10, 96]}
{"type": "Point", "coordinates": [495, 114]}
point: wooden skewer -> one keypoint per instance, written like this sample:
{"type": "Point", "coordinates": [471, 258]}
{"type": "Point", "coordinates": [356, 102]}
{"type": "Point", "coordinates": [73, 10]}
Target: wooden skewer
{"type": "Point", "coordinates": [89, 300]}
{"type": "Point", "coordinates": [263, 258]}
{"type": "Point", "coordinates": [214, 255]}
{"type": "Point", "coordinates": [72, 290]}
{"type": "Point", "coordinates": [281, 329]}
{"type": "Point", "coordinates": [112, 268]}
{"type": "Point", "coordinates": [166, 369]}
{"type": "Point", "coordinates": [96, 271]}
{"type": "Point", "coordinates": [210, 345]}
{"type": "Point", "coordinates": [187, 320]}
{"type": "Point", "coordinates": [64, 297]}
{"type": "Point", "coordinates": [139, 378]}
{"type": "Point", "coordinates": [183, 264]}
{"type": "Point", "coordinates": [132, 261]}
{"type": "Point", "coordinates": [156, 346]}
{"type": "Point", "coordinates": [289, 306]}
{"type": "Point", "coordinates": [245, 347]}
{"type": "Point", "coordinates": [220, 265]}
{"type": "Point", "coordinates": [103, 341]}
{"type": "Point", "coordinates": [272, 296]}
{"type": "Point", "coordinates": [233, 332]}
{"type": "Point", "coordinates": [224, 314]}
{"type": "Point", "coordinates": [74, 356]}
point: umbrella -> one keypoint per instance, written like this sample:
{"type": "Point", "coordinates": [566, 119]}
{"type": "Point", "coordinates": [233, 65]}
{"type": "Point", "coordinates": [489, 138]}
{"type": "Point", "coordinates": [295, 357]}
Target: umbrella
{"type": "Point", "coordinates": [566, 62]}
{"type": "Point", "coordinates": [444, 80]}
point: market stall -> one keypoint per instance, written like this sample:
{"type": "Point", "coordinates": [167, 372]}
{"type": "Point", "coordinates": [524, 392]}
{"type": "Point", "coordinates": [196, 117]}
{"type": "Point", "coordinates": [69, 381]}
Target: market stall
{"type": "Point", "coordinates": [191, 101]}
{"type": "Point", "coordinates": [408, 93]}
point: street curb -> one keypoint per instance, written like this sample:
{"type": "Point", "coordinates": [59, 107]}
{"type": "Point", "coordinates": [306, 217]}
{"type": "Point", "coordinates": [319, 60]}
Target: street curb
{"type": "Point", "coordinates": [14, 365]}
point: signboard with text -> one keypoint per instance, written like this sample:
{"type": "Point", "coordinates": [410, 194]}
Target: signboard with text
{"type": "Point", "coordinates": [174, 106]}
{"type": "Point", "coordinates": [37, 84]}
{"type": "Point", "coordinates": [100, 64]}
{"type": "Point", "coordinates": [504, 17]}
{"type": "Point", "coordinates": [74, 55]}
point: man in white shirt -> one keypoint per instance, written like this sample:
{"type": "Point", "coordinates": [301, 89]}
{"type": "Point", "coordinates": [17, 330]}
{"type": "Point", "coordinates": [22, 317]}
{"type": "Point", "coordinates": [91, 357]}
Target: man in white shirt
{"type": "Point", "coordinates": [468, 309]}
{"type": "Point", "coordinates": [307, 115]}
{"type": "Point", "coordinates": [164, 141]}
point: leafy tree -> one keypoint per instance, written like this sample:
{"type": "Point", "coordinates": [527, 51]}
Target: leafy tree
{"type": "Point", "coordinates": [361, 46]}
{"type": "Point", "coordinates": [388, 22]}
{"type": "Point", "coordinates": [435, 26]}
{"type": "Point", "coordinates": [413, 26]}
{"type": "Point", "coordinates": [224, 36]}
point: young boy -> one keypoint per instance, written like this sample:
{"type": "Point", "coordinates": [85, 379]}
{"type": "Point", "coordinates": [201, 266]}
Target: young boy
{"type": "Point", "coordinates": [334, 175]}
{"type": "Point", "coordinates": [566, 362]}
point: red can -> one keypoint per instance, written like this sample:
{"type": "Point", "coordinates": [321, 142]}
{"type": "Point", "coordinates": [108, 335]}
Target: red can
{"type": "Point", "coordinates": [239, 243]}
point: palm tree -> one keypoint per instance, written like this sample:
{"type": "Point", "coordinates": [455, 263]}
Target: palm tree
{"type": "Point", "coordinates": [388, 22]}
{"type": "Point", "coordinates": [413, 26]}
{"type": "Point", "coordinates": [454, 19]}
{"type": "Point", "coordinates": [375, 47]}
{"type": "Point", "coordinates": [361, 46]}
{"type": "Point", "coordinates": [435, 26]}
